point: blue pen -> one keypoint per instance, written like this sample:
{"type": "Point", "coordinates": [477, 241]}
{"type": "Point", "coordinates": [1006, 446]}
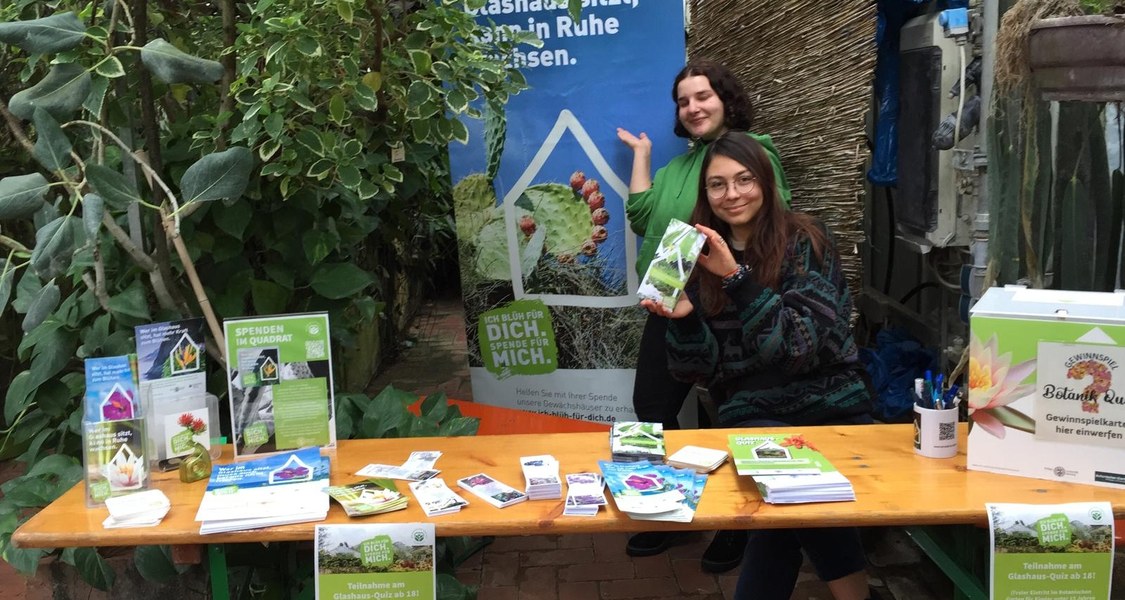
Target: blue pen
{"type": "Point", "coordinates": [929, 388]}
{"type": "Point", "coordinates": [938, 389]}
{"type": "Point", "coordinates": [950, 395]}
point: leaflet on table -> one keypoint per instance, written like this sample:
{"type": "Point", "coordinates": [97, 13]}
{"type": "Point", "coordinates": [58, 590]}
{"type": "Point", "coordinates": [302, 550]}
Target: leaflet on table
{"type": "Point", "coordinates": [496, 493]}
{"type": "Point", "coordinates": [776, 454]}
{"type": "Point", "coordinates": [113, 433]}
{"type": "Point", "coordinates": [436, 498]}
{"type": "Point", "coordinates": [672, 264]}
{"type": "Point", "coordinates": [639, 487]}
{"type": "Point", "coordinates": [585, 493]}
{"type": "Point", "coordinates": [394, 560]}
{"type": "Point", "coordinates": [369, 497]}
{"type": "Point", "coordinates": [396, 472]}
{"type": "Point", "coordinates": [171, 366]}
{"type": "Point", "coordinates": [270, 490]}
{"type": "Point", "coordinates": [279, 375]}
{"type": "Point", "coordinates": [1051, 550]}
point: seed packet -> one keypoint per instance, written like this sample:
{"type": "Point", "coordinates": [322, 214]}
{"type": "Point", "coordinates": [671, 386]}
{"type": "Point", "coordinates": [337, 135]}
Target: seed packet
{"type": "Point", "coordinates": [672, 264]}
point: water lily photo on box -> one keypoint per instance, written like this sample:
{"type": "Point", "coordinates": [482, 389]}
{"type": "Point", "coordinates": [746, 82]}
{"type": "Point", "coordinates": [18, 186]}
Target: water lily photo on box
{"type": "Point", "coordinates": [994, 384]}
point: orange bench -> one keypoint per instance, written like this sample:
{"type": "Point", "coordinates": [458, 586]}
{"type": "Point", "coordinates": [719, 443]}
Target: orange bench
{"type": "Point", "coordinates": [499, 420]}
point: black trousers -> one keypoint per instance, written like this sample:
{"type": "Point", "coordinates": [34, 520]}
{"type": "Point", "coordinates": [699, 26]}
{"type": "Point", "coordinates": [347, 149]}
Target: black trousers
{"type": "Point", "coordinates": [657, 397]}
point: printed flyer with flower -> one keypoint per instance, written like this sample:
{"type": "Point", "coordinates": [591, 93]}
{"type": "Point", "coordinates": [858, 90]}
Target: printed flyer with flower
{"type": "Point", "coordinates": [1046, 378]}
{"type": "Point", "coordinates": [172, 368]}
{"type": "Point", "coordinates": [279, 375]}
{"type": "Point", "coordinates": [112, 430]}
{"type": "Point", "coordinates": [1062, 551]}
{"type": "Point", "coordinates": [371, 562]}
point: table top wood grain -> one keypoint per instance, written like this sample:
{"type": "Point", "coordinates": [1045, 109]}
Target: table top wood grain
{"type": "Point", "coordinates": [894, 486]}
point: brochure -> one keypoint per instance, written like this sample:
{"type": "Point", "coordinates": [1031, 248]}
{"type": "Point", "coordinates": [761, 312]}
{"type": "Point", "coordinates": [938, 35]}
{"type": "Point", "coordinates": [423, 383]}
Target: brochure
{"type": "Point", "coordinates": [632, 440]}
{"type": "Point", "coordinates": [436, 498]}
{"type": "Point", "coordinates": [395, 472]}
{"type": "Point", "coordinates": [279, 375]}
{"type": "Point", "coordinates": [142, 509]}
{"type": "Point", "coordinates": [776, 454]}
{"type": "Point", "coordinates": [492, 491]}
{"type": "Point", "coordinates": [274, 490]}
{"type": "Point", "coordinates": [641, 488]}
{"type": "Point", "coordinates": [369, 497]}
{"type": "Point", "coordinates": [375, 561]}
{"type": "Point", "coordinates": [541, 477]}
{"type": "Point", "coordinates": [171, 368]}
{"type": "Point", "coordinates": [113, 433]}
{"type": "Point", "coordinates": [1051, 550]}
{"type": "Point", "coordinates": [585, 494]}
{"type": "Point", "coordinates": [672, 264]}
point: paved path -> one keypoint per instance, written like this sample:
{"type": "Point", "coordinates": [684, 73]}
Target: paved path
{"type": "Point", "coordinates": [592, 567]}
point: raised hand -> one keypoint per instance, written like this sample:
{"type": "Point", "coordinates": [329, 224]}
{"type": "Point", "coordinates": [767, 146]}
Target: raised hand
{"type": "Point", "coordinates": [639, 143]}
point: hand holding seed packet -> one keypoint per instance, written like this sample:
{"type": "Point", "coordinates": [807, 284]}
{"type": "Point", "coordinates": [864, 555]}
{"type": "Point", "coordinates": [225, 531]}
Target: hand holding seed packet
{"type": "Point", "coordinates": [672, 264]}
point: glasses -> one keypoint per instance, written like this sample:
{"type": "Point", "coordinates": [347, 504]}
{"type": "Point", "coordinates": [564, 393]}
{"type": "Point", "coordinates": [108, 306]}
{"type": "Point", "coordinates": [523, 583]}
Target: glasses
{"type": "Point", "coordinates": [717, 188]}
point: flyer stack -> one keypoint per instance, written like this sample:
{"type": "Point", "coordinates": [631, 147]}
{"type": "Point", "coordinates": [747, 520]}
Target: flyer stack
{"type": "Point", "coordinates": [698, 459]}
{"type": "Point", "coordinates": [654, 492]}
{"type": "Point", "coordinates": [496, 493]}
{"type": "Point", "coordinates": [370, 497]}
{"type": "Point", "coordinates": [585, 494]}
{"type": "Point", "coordinates": [788, 469]}
{"type": "Point", "coordinates": [113, 430]}
{"type": "Point", "coordinates": [631, 441]}
{"type": "Point", "coordinates": [142, 509]}
{"type": "Point", "coordinates": [541, 477]}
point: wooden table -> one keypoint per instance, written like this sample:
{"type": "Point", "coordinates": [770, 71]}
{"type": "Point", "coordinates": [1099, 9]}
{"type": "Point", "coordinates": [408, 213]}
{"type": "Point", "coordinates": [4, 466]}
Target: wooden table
{"type": "Point", "coordinates": [894, 486]}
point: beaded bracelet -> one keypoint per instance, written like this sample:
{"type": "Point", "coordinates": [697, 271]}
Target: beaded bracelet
{"type": "Point", "coordinates": [736, 275]}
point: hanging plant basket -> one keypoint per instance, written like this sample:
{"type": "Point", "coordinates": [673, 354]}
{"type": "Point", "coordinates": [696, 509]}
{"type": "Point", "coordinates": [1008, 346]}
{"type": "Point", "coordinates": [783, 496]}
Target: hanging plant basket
{"type": "Point", "coordinates": [1078, 58]}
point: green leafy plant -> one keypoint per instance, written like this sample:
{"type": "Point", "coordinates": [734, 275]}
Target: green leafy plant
{"type": "Point", "coordinates": [224, 160]}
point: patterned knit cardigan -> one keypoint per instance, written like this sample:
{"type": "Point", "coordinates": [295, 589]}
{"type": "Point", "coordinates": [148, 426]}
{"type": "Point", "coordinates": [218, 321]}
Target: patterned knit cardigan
{"type": "Point", "coordinates": [786, 355]}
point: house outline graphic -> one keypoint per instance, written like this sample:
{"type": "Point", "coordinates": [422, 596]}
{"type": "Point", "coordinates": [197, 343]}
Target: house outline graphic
{"type": "Point", "coordinates": [568, 122]}
{"type": "Point", "coordinates": [177, 349]}
{"type": "Point", "coordinates": [771, 445]}
{"type": "Point", "coordinates": [292, 462]}
{"type": "Point", "coordinates": [276, 370]}
{"type": "Point", "coordinates": [118, 389]}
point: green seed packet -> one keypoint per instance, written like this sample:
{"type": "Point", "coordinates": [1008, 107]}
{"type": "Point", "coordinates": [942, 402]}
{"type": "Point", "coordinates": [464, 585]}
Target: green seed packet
{"type": "Point", "coordinates": [671, 266]}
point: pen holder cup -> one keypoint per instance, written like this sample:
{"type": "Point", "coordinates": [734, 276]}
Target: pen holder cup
{"type": "Point", "coordinates": [935, 432]}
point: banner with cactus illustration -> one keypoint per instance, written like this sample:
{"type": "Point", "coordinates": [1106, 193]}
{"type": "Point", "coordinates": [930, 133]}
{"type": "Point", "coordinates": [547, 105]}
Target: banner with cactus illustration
{"type": "Point", "coordinates": [279, 375]}
{"type": "Point", "coordinates": [1046, 378]}
{"type": "Point", "coordinates": [1051, 550]}
{"type": "Point", "coordinates": [547, 254]}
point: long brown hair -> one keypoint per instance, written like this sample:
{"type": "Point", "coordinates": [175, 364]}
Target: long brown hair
{"type": "Point", "coordinates": [738, 112]}
{"type": "Point", "coordinates": [773, 228]}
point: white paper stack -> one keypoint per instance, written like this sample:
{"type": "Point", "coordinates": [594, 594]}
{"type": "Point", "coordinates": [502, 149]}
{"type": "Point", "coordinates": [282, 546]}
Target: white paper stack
{"type": "Point", "coordinates": [436, 498]}
{"type": "Point", "coordinates": [541, 477]}
{"type": "Point", "coordinates": [631, 441]}
{"type": "Point", "coordinates": [796, 489]}
{"type": "Point", "coordinates": [275, 490]}
{"type": "Point", "coordinates": [698, 459]}
{"type": "Point", "coordinates": [585, 494]}
{"type": "Point", "coordinates": [492, 491]}
{"type": "Point", "coordinates": [142, 509]}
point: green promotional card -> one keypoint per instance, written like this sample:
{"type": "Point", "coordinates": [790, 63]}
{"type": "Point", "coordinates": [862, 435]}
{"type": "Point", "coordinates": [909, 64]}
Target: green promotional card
{"type": "Point", "coordinates": [518, 339]}
{"type": "Point", "coordinates": [1057, 551]}
{"type": "Point", "coordinates": [280, 382]}
{"type": "Point", "coordinates": [372, 562]}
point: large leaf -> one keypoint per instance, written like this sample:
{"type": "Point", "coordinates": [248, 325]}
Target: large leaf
{"type": "Point", "coordinates": [340, 280]}
{"type": "Point", "coordinates": [458, 426]}
{"type": "Point", "coordinates": [54, 246]}
{"type": "Point", "coordinates": [7, 275]}
{"type": "Point", "coordinates": [48, 35]}
{"type": "Point", "coordinates": [154, 563]}
{"type": "Point", "coordinates": [22, 195]}
{"type": "Point", "coordinates": [42, 306]}
{"type": "Point", "coordinates": [93, 568]}
{"type": "Point", "coordinates": [52, 147]}
{"type": "Point", "coordinates": [20, 392]}
{"type": "Point", "coordinates": [60, 93]}
{"type": "Point", "coordinates": [172, 65]}
{"type": "Point", "coordinates": [268, 297]}
{"type": "Point", "coordinates": [131, 302]}
{"type": "Point", "coordinates": [382, 418]}
{"type": "Point", "coordinates": [25, 561]}
{"type": "Point", "coordinates": [217, 175]}
{"type": "Point", "coordinates": [112, 186]}
{"type": "Point", "coordinates": [93, 207]}
{"type": "Point", "coordinates": [52, 355]}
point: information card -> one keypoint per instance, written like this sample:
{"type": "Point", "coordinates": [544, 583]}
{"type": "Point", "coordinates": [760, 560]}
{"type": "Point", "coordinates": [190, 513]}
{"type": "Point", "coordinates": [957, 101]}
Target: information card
{"type": "Point", "coordinates": [372, 562]}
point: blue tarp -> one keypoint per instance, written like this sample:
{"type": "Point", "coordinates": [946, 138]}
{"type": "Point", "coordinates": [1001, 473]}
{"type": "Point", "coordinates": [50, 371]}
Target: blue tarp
{"type": "Point", "coordinates": [893, 364]}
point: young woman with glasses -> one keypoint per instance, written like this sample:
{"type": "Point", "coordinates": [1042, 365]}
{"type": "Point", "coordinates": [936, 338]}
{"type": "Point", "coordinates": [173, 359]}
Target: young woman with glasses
{"type": "Point", "coordinates": [709, 101]}
{"type": "Point", "coordinates": [764, 323]}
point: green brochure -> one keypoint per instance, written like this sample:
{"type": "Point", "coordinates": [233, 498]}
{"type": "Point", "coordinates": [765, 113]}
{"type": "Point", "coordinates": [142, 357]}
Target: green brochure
{"type": "Point", "coordinates": [371, 562]}
{"type": "Point", "coordinates": [1061, 551]}
{"type": "Point", "coordinates": [279, 375]}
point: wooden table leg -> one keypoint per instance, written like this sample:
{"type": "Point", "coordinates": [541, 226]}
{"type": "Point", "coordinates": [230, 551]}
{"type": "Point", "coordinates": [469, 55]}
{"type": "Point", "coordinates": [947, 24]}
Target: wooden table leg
{"type": "Point", "coordinates": [217, 564]}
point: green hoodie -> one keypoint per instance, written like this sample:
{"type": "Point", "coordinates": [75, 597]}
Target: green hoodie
{"type": "Point", "coordinates": [673, 194]}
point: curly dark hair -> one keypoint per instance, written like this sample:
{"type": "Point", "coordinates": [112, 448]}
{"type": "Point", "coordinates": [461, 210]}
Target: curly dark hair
{"type": "Point", "coordinates": [738, 112]}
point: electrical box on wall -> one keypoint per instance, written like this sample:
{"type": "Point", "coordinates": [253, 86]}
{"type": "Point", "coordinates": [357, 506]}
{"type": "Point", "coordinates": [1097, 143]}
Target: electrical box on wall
{"type": "Point", "coordinates": [930, 210]}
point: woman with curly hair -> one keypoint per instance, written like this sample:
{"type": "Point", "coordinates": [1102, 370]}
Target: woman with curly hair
{"type": "Point", "coordinates": [709, 101]}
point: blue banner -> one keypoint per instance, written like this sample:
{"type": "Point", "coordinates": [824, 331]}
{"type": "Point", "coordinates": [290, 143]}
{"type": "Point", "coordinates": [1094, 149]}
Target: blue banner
{"type": "Point", "coordinates": [540, 197]}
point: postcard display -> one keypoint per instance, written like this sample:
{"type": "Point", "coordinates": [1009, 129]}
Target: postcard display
{"type": "Point", "coordinates": [279, 375]}
{"type": "Point", "coordinates": [113, 432]}
{"type": "Point", "coordinates": [171, 367]}
{"type": "Point", "coordinates": [1047, 385]}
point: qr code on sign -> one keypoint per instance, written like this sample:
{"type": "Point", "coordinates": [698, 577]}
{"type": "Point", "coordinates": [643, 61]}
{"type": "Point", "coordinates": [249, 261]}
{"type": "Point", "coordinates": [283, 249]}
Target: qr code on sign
{"type": "Point", "coordinates": [947, 431]}
{"type": "Point", "coordinates": [314, 349]}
